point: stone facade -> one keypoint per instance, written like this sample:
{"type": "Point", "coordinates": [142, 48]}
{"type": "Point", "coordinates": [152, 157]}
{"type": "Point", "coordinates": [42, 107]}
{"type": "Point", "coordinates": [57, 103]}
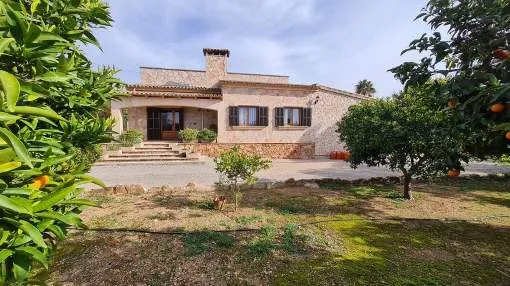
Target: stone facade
{"type": "Point", "coordinates": [328, 105]}
{"type": "Point", "coordinates": [267, 150]}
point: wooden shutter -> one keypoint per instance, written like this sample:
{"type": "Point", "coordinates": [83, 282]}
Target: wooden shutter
{"type": "Point", "coordinates": [262, 119]}
{"type": "Point", "coordinates": [278, 116]}
{"type": "Point", "coordinates": [307, 117]}
{"type": "Point", "coordinates": [233, 116]}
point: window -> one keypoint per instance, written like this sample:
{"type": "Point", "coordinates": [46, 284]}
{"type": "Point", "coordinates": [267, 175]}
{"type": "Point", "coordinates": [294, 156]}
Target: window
{"type": "Point", "coordinates": [293, 116]}
{"type": "Point", "coordinates": [248, 116]}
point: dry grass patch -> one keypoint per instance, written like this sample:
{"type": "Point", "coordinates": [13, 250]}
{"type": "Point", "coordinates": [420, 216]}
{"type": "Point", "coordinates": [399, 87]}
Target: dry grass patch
{"type": "Point", "coordinates": [301, 236]}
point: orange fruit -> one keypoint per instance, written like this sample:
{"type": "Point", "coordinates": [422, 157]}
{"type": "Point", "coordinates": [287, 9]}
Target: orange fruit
{"type": "Point", "coordinates": [453, 173]}
{"type": "Point", "coordinates": [502, 54]}
{"type": "Point", "coordinates": [452, 103]}
{"type": "Point", "coordinates": [40, 182]}
{"type": "Point", "coordinates": [497, 107]}
{"type": "Point", "coordinates": [507, 135]}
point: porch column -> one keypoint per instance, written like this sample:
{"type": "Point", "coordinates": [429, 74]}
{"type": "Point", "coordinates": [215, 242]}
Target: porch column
{"type": "Point", "coordinates": [116, 113]}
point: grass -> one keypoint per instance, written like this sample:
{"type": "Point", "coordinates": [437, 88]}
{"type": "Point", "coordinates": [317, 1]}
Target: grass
{"type": "Point", "coordinates": [455, 232]}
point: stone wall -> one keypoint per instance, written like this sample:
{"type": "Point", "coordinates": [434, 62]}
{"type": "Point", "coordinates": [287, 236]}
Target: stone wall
{"type": "Point", "coordinates": [330, 108]}
{"type": "Point", "coordinates": [137, 120]}
{"type": "Point", "coordinates": [267, 150]}
{"type": "Point", "coordinates": [199, 118]}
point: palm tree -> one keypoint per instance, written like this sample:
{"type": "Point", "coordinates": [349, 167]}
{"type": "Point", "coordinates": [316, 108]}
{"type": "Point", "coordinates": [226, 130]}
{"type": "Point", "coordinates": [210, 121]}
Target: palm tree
{"type": "Point", "coordinates": [365, 87]}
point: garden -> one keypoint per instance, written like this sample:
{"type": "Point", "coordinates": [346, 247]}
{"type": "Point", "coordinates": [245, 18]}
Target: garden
{"type": "Point", "coordinates": [435, 227]}
{"type": "Point", "coordinates": [455, 232]}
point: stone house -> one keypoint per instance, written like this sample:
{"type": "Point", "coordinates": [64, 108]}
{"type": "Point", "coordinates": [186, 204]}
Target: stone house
{"type": "Point", "coordinates": [263, 113]}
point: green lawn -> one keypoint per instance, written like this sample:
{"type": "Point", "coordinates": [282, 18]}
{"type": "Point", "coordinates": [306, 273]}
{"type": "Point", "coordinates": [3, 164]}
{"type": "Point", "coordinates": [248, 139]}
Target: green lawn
{"type": "Point", "coordinates": [456, 232]}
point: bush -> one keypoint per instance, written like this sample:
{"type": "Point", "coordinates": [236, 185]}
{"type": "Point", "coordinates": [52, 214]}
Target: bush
{"type": "Point", "coordinates": [207, 135]}
{"type": "Point", "coordinates": [84, 158]}
{"type": "Point", "coordinates": [236, 167]}
{"type": "Point", "coordinates": [505, 159]}
{"type": "Point", "coordinates": [188, 135]}
{"type": "Point", "coordinates": [130, 138]}
{"type": "Point", "coordinates": [50, 106]}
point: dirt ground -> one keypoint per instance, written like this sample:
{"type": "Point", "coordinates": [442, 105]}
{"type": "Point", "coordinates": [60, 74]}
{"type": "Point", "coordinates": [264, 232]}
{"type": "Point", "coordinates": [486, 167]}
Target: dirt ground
{"type": "Point", "coordinates": [453, 233]}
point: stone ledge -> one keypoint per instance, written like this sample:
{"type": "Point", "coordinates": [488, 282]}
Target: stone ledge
{"type": "Point", "coordinates": [267, 150]}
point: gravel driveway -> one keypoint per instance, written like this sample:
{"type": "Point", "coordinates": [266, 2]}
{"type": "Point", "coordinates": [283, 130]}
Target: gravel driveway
{"type": "Point", "coordinates": [180, 174]}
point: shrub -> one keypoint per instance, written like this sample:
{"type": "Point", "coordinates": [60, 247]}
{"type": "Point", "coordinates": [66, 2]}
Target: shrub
{"type": "Point", "coordinates": [504, 159]}
{"type": "Point", "coordinates": [236, 167]}
{"type": "Point", "coordinates": [207, 135]}
{"type": "Point", "coordinates": [84, 158]}
{"type": "Point", "coordinates": [50, 106]}
{"type": "Point", "coordinates": [188, 135]}
{"type": "Point", "coordinates": [130, 138]}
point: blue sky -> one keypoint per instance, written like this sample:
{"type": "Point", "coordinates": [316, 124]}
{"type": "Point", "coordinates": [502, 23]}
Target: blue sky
{"type": "Point", "coordinates": [332, 42]}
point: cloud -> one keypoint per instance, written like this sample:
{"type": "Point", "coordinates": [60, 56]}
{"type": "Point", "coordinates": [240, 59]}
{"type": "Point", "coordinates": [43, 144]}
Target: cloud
{"type": "Point", "coordinates": [331, 42]}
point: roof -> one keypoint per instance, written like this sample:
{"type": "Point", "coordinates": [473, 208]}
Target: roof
{"type": "Point", "coordinates": [193, 70]}
{"type": "Point", "coordinates": [236, 83]}
{"type": "Point", "coordinates": [311, 87]}
{"type": "Point", "coordinates": [174, 91]}
{"type": "Point", "coordinates": [207, 92]}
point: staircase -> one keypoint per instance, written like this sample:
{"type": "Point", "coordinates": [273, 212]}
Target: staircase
{"type": "Point", "coordinates": [149, 152]}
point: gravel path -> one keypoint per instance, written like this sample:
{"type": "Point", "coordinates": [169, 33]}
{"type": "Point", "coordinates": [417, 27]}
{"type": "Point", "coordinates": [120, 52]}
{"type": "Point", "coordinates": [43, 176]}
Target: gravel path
{"type": "Point", "coordinates": [152, 175]}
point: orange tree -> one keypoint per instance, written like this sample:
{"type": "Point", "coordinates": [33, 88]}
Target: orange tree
{"type": "Point", "coordinates": [50, 106]}
{"type": "Point", "coordinates": [410, 133]}
{"type": "Point", "coordinates": [470, 46]}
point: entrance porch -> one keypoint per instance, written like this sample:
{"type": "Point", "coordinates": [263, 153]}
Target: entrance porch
{"type": "Point", "coordinates": [164, 123]}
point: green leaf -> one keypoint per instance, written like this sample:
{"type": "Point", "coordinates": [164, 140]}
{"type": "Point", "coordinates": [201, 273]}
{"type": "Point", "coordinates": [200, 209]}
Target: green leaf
{"type": "Point", "coordinates": [48, 36]}
{"type": "Point", "coordinates": [57, 230]}
{"type": "Point", "coordinates": [8, 117]}
{"type": "Point", "coordinates": [6, 155]}
{"type": "Point", "coordinates": [35, 254]}
{"type": "Point", "coordinates": [33, 232]}
{"type": "Point", "coordinates": [67, 219]}
{"type": "Point", "coordinates": [5, 236]}
{"type": "Point", "coordinates": [16, 145]}
{"type": "Point", "coordinates": [21, 267]}
{"type": "Point", "coordinates": [11, 88]}
{"type": "Point", "coordinates": [33, 33]}
{"type": "Point", "coordinates": [80, 202]}
{"type": "Point", "coordinates": [53, 77]}
{"type": "Point", "coordinates": [8, 204]}
{"type": "Point", "coordinates": [46, 112]}
{"type": "Point", "coordinates": [6, 167]}
{"type": "Point", "coordinates": [90, 179]}
{"type": "Point", "coordinates": [4, 43]}
{"type": "Point", "coordinates": [34, 5]}
{"type": "Point", "coordinates": [53, 198]}
{"type": "Point", "coordinates": [4, 254]}
{"type": "Point", "coordinates": [55, 160]}
{"type": "Point", "coordinates": [18, 191]}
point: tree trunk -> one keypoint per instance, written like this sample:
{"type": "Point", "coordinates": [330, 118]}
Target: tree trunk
{"type": "Point", "coordinates": [407, 188]}
{"type": "Point", "coordinates": [235, 197]}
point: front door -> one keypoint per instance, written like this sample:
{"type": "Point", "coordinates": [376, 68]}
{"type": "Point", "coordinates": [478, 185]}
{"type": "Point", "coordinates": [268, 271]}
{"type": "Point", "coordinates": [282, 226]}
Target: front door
{"type": "Point", "coordinates": [163, 124]}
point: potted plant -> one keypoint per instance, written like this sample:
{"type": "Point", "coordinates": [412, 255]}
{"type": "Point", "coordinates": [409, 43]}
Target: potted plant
{"type": "Point", "coordinates": [207, 136]}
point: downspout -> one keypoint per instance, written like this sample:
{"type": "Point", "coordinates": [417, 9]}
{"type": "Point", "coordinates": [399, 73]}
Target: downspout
{"type": "Point", "coordinates": [202, 119]}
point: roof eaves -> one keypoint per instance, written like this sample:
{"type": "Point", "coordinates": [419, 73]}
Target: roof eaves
{"type": "Point", "coordinates": [266, 85]}
{"type": "Point", "coordinates": [171, 69]}
{"type": "Point", "coordinates": [341, 92]}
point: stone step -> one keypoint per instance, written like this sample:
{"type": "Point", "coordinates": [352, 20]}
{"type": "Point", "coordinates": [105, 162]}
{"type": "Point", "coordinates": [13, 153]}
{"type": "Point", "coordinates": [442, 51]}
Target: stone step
{"type": "Point", "coordinates": [180, 155]}
{"type": "Point", "coordinates": [163, 152]}
{"type": "Point", "coordinates": [156, 145]}
{"type": "Point", "coordinates": [128, 159]}
{"type": "Point", "coordinates": [154, 148]}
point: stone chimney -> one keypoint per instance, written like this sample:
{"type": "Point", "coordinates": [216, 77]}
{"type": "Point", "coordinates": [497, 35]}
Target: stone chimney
{"type": "Point", "coordinates": [216, 61]}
